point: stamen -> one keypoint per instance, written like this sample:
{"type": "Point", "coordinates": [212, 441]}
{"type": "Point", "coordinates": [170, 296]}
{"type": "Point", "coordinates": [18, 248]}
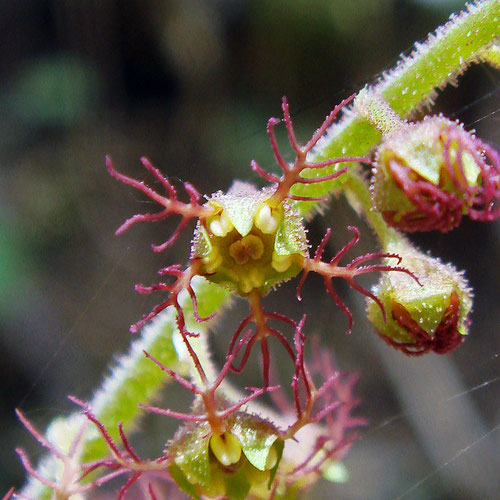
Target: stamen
{"type": "Point", "coordinates": [256, 476]}
{"type": "Point", "coordinates": [213, 260]}
{"type": "Point", "coordinates": [226, 448]}
{"type": "Point", "coordinates": [256, 277]}
{"type": "Point", "coordinates": [281, 263]}
{"type": "Point", "coordinates": [245, 284]}
{"type": "Point", "coordinates": [221, 225]}
{"type": "Point", "coordinates": [272, 458]}
{"type": "Point", "coordinates": [265, 220]}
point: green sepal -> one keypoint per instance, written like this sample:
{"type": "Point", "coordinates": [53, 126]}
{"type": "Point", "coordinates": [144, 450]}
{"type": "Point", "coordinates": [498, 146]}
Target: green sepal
{"type": "Point", "coordinates": [201, 245]}
{"type": "Point", "coordinates": [181, 481]}
{"type": "Point", "coordinates": [237, 485]}
{"type": "Point", "coordinates": [256, 437]}
{"type": "Point", "coordinates": [290, 236]}
{"type": "Point", "coordinates": [277, 278]}
{"type": "Point", "coordinates": [190, 449]}
{"type": "Point", "coordinates": [491, 54]}
{"type": "Point", "coordinates": [241, 204]}
{"type": "Point", "coordinates": [279, 446]}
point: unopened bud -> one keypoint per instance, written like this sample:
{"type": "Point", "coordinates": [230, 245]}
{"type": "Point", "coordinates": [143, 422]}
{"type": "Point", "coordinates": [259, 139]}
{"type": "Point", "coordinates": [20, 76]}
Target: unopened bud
{"type": "Point", "coordinates": [429, 173]}
{"type": "Point", "coordinates": [430, 316]}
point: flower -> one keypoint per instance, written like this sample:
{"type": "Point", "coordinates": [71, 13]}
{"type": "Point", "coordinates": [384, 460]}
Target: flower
{"type": "Point", "coordinates": [241, 461]}
{"type": "Point", "coordinates": [248, 244]}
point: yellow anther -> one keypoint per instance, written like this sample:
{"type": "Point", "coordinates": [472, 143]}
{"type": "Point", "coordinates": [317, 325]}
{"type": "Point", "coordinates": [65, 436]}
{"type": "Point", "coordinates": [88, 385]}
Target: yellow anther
{"type": "Point", "coordinates": [266, 220]}
{"type": "Point", "coordinates": [226, 448]}
{"type": "Point", "coordinates": [245, 284]}
{"type": "Point", "coordinates": [212, 261]}
{"type": "Point", "coordinates": [225, 222]}
{"type": "Point", "coordinates": [216, 228]}
{"type": "Point", "coordinates": [281, 263]}
{"type": "Point", "coordinates": [221, 225]}
{"type": "Point", "coordinates": [256, 476]}
{"type": "Point", "coordinates": [217, 485]}
{"type": "Point", "coordinates": [253, 278]}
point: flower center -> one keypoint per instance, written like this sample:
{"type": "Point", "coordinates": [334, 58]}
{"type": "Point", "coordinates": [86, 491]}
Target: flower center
{"type": "Point", "coordinates": [249, 246]}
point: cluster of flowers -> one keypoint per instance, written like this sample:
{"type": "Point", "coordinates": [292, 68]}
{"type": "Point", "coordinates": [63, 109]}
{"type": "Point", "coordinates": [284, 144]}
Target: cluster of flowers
{"type": "Point", "coordinates": [425, 176]}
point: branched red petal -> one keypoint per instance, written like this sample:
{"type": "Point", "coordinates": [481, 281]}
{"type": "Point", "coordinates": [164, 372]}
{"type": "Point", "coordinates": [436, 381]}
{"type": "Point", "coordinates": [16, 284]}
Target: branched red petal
{"type": "Point", "coordinates": [340, 303]}
{"type": "Point", "coordinates": [194, 301]}
{"type": "Point", "coordinates": [328, 121]}
{"type": "Point", "coordinates": [255, 393]}
{"type": "Point", "coordinates": [32, 471]}
{"type": "Point", "coordinates": [434, 209]}
{"type": "Point", "coordinates": [347, 247]}
{"type": "Point", "coordinates": [292, 172]}
{"type": "Point", "coordinates": [104, 433]}
{"type": "Point", "coordinates": [151, 492]}
{"type": "Point", "coordinates": [181, 380]}
{"type": "Point", "coordinates": [266, 175]}
{"type": "Point", "coordinates": [331, 269]}
{"type": "Point", "coordinates": [335, 400]}
{"type": "Point", "coordinates": [127, 444]}
{"type": "Point", "coordinates": [262, 331]}
{"type": "Point", "coordinates": [128, 485]}
{"type": "Point", "coordinates": [38, 435]}
{"type": "Point", "coordinates": [182, 281]}
{"type": "Point", "coordinates": [446, 338]}
{"type": "Point", "coordinates": [171, 203]}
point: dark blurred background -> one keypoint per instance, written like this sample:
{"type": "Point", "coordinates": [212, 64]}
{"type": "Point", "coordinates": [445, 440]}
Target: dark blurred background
{"type": "Point", "coordinates": [191, 83]}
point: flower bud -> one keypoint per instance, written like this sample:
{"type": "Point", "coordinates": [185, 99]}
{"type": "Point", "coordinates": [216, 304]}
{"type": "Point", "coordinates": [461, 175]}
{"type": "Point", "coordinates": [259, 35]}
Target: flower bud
{"type": "Point", "coordinates": [429, 173]}
{"type": "Point", "coordinates": [430, 316]}
{"type": "Point", "coordinates": [248, 244]}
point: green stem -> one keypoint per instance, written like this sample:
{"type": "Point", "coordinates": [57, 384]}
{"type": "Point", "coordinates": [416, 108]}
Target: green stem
{"type": "Point", "coordinates": [358, 194]}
